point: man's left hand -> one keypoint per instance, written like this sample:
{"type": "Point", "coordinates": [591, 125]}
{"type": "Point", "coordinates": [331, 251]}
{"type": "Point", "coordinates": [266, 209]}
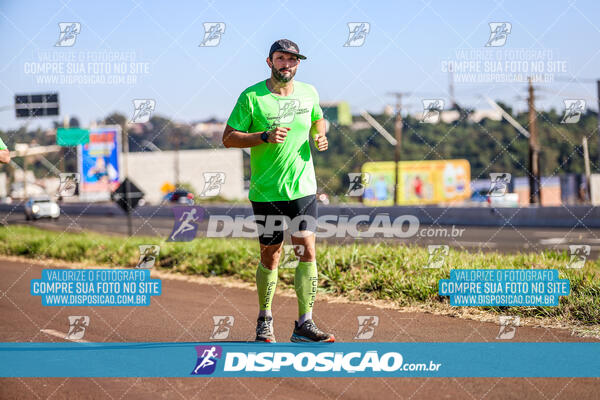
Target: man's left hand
{"type": "Point", "coordinates": [321, 142]}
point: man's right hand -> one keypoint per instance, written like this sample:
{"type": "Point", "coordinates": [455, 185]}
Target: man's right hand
{"type": "Point", "coordinates": [278, 134]}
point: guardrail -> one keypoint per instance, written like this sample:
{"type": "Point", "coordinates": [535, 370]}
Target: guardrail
{"type": "Point", "coordinates": [559, 217]}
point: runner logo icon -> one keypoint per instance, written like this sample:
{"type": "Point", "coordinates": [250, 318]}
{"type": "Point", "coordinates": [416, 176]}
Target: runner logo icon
{"type": "Point", "coordinates": [68, 184]}
{"type": "Point", "coordinates": [212, 34]}
{"type": "Point", "coordinates": [287, 111]}
{"type": "Point", "coordinates": [508, 327]}
{"type": "Point", "coordinates": [357, 33]}
{"type": "Point", "coordinates": [148, 255]}
{"type": "Point", "coordinates": [573, 111]}
{"type": "Point", "coordinates": [289, 259]}
{"type": "Point", "coordinates": [499, 32]}
{"type": "Point", "coordinates": [579, 253]}
{"type": "Point", "coordinates": [142, 110]}
{"type": "Point", "coordinates": [77, 326]}
{"type": "Point", "coordinates": [437, 255]}
{"type": "Point", "coordinates": [222, 326]}
{"type": "Point", "coordinates": [68, 33]}
{"type": "Point", "coordinates": [499, 183]}
{"type": "Point", "coordinates": [366, 326]}
{"type": "Point", "coordinates": [432, 110]}
{"type": "Point", "coordinates": [207, 359]}
{"type": "Point", "coordinates": [358, 181]}
{"type": "Point", "coordinates": [213, 181]}
{"type": "Point", "coordinates": [186, 223]}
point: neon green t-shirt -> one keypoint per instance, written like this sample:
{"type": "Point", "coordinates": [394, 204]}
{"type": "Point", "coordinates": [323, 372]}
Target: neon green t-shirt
{"type": "Point", "coordinates": [280, 171]}
{"type": "Point", "coordinates": [2, 145]}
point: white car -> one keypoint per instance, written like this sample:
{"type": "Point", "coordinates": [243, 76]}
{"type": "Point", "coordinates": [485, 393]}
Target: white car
{"type": "Point", "coordinates": [41, 207]}
{"type": "Point", "coordinates": [506, 200]}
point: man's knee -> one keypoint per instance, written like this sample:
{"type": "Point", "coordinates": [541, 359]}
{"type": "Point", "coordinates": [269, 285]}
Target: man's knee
{"type": "Point", "coordinates": [270, 255]}
{"type": "Point", "coordinates": [304, 245]}
{"type": "Point", "coordinates": [307, 254]}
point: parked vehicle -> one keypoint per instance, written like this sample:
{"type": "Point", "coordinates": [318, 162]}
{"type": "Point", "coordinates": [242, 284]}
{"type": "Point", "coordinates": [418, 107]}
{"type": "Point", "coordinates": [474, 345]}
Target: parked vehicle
{"type": "Point", "coordinates": [41, 207]}
{"type": "Point", "coordinates": [479, 196]}
{"type": "Point", "coordinates": [507, 200]}
{"type": "Point", "coordinates": [180, 196]}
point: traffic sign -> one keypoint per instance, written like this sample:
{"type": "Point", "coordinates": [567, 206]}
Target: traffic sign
{"type": "Point", "coordinates": [72, 136]}
{"type": "Point", "coordinates": [127, 195]}
{"type": "Point", "coordinates": [36, 105]}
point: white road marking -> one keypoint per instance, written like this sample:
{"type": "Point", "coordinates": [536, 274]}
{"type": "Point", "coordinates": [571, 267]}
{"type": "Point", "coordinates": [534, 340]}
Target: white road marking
{"type": "Point", "coordinates": [61, 335]}
{"type": "Point", "coordinates": [476, 244]}
{"type": "Point", "coordinates": [565, 240]}
{"type": "Point", "coordinates": [572, 235]}
{"type": "Point", "coordinates": [553, 241]}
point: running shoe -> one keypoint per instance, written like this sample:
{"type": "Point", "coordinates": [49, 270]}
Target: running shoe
{"type": "Point", "coordinates": [264, 330]}
{"type": "Point", "coordinates": [308, 332]}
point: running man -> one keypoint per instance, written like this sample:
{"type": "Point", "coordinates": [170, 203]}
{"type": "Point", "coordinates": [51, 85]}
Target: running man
{"type": "Point", "coordinates": [275, 117]}
{"type": "Point", "coordinates": [4, 153]}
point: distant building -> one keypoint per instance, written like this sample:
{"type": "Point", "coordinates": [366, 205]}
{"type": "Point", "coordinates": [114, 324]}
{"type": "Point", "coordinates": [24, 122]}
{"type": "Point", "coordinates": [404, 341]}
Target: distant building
{"type": "Point", "coordinates": [478, 115]}
{"type": "Point", "coordinates": [359, 125]}
{"type": "Point", "coordinates": [388, 110]}
{"type": "Point", "coordinates": [550, 190]}
{"type": "Point", "coordinates": [337, 113]}
{"type": "Point", "coordinates": [151, 170]}
{"type": "Point", "coordinates": [210, 128]}
{"type": "Point", "coordinates": [449, 116]}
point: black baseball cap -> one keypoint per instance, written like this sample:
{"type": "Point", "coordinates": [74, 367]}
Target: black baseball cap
{"type": "Point", "coordinates": [286, 46]}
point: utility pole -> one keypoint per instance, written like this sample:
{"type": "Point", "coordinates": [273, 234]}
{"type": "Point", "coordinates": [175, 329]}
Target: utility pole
{"type": "Point", "coordinates": [177, 144]}
{"type": "Point", "coordinates": [535, 196]}
{"type": "Point", "coordinates": [25, 176]}
{"type": "Point", "coordinates": [125, 136]}
{"type": "Point", "coordinates": [451, 86]}
{"type": "Point", "coordinates": [586, 161]}
{"type": "Point", "coordinates": [598, 133]}
{"type": "Point", "coordinates": [63, 153]}
{"type": "Point", "coordinates": [25, 149]}
{"type": "Point", "coordinates": [398, 134]}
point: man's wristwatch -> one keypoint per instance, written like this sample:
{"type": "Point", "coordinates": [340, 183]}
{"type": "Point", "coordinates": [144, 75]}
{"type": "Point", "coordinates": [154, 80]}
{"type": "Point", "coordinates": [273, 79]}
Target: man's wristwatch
{"type": "Point", "coordinates": [265, 136]}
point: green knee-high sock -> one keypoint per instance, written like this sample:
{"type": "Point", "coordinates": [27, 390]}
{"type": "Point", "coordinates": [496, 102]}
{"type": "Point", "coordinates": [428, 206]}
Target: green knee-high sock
{"type": "Point", "coordinates": [305, 282]}
{"type": "Point", "coordinates": [266, 281]}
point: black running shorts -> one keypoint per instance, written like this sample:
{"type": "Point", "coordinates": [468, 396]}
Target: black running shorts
{"type": "Point", "coordinates": [299, 215]}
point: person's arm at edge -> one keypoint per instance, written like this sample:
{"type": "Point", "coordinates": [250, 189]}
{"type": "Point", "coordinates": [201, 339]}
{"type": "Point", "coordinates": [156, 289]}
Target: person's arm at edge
{"type": "Point", "coordinates": [4, 156]}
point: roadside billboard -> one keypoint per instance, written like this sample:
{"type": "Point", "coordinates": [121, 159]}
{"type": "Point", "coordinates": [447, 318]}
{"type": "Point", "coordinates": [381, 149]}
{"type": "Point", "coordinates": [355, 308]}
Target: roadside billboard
{"type": "Point", "coordinates": [99, 163]}
{"type": "Point", "coordinates": [420, 182]}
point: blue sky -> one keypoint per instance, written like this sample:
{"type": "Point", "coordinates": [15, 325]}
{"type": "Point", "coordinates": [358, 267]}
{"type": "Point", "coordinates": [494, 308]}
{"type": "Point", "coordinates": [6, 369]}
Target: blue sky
{"type": "Point", "coordinates": [403, 51]}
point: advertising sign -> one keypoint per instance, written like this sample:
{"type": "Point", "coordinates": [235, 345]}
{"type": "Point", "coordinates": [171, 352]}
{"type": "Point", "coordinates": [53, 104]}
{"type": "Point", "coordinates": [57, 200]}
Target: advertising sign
{"type": "Point", "coordinates": [99, 163]}
{"type": "Point", "coordinates": [420, 182]}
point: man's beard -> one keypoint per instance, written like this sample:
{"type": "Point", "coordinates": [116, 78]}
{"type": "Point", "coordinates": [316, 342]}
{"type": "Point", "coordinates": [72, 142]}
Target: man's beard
{"type": "Point", "coordinates": [283, 78]}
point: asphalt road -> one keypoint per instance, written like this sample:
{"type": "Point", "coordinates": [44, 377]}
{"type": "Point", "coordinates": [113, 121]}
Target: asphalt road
{"type": "Point", "coordinates": [183, 313]}
{"type": "Point", "coordinates": [470, 238]}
